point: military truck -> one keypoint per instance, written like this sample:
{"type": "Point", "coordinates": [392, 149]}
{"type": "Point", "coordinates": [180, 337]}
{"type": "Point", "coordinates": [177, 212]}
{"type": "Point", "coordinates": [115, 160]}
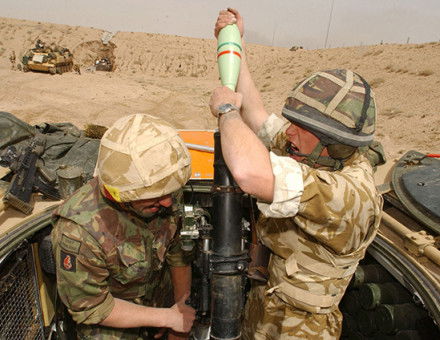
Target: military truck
{"type": "Point", "coordinates": [52, 59]}
{"type": "Point", "coordinates": [395, 292]}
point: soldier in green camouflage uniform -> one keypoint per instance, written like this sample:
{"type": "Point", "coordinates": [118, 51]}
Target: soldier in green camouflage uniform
{"type": "Point", "coordinates": [315, 189]}
{"type": "Point", "coordinates": [116, 241]}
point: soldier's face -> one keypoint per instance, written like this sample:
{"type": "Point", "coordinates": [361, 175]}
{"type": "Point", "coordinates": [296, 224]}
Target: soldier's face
{"type": "Point", "coordinates": [302, 141]}
{"type": "Point", "coordinates": [149, 207]}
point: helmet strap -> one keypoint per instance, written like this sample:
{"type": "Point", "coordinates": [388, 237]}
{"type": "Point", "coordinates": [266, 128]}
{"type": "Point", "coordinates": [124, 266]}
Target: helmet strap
{"type": "Point", "coordinates": [127, 206]}
{"type": "Point", "coordinates": [314, 157]}
{"type": "Point", "coordinates": [163, 211]}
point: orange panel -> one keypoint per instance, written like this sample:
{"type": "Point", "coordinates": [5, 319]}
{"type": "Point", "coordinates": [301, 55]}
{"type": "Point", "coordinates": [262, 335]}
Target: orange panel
{"type": "Point", "coordinates": [201, 147]}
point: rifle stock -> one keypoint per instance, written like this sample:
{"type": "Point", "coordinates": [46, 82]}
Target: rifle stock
{"type": "Point", "coordinates": [27, 176]}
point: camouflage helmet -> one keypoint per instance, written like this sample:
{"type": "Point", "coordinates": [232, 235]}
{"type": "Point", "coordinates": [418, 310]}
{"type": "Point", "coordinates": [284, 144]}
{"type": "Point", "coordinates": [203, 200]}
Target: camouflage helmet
{"type": "Point", "coordinates": [337, 105]}
{"type": "Point", "coordinates": [141, 157]}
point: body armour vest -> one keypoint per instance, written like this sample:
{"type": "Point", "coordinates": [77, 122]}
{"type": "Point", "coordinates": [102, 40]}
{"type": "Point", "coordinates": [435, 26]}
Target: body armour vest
{"type": "Point", "coordinates": [315, 253]}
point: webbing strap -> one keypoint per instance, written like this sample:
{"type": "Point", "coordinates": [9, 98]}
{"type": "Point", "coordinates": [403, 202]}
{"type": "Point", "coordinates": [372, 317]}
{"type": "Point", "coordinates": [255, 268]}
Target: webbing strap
{"type": "Point", "coordinates": [301, 295]}
{"type": "Point", "coordinates": [316, 104]}
{"type": "Point", "coordinates": [332, 78]}
{"type": "Point", "coordinates": [326, 269]}
{"type": "Point", "coordinates": [318, 267]}
{"type": "Point", "coordinates": [341, 94]}
{"type": "Point", "coordinates": [134, 153]}
{"type": "Point", "coordinates": [360, 123]}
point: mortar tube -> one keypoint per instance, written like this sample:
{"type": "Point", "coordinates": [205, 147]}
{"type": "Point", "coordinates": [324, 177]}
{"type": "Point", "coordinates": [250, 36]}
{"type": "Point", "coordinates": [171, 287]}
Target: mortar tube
{"type": "Point", "coordinates": [227, 252]}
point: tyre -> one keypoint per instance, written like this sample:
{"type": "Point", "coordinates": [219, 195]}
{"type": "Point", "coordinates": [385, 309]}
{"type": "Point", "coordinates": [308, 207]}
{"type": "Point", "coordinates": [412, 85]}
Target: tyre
{"type": "Point", "coordinates": [46, 255]}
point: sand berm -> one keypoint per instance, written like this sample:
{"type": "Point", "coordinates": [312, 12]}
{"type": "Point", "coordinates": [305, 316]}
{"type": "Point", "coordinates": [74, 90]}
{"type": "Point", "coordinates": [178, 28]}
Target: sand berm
{"type": "Point", "coordinates": [172, 77]}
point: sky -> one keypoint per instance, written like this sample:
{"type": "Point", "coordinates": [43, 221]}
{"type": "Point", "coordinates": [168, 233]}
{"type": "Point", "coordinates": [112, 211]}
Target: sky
{"type": "Point", "coordinates": [309, 23]}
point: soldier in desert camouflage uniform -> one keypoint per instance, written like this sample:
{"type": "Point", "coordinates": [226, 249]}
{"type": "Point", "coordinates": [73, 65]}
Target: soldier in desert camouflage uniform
{"type": "Point", "coordinates": [314, 183]}
{"type": "Point", "coordinates": [12, 59]}
{"type": "Point", "coordinates": [77, 69]}
{"type": "Point", "coordinates": [116, 241]}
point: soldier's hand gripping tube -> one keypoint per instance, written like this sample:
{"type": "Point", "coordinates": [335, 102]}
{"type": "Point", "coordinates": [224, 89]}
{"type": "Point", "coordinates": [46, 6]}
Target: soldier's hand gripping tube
{"type": "Point", "coordinates": [228, 259]}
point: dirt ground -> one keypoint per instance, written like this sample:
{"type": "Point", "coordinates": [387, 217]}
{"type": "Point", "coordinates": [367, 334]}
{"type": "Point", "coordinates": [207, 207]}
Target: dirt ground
{"type": "Point", "coordinates": [172, 77]}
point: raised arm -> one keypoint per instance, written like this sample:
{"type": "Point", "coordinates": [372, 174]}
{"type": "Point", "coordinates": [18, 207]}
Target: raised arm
{"type": "Point", "coordinates": [252, 110]}
{"type": "Point", "coordinates": [246, 156]}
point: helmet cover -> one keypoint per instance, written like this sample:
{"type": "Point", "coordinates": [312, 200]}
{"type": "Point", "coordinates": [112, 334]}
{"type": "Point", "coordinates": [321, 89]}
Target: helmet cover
{"type": "Point", "coordinates": [141, 157]}
{"type": "Point", "coordinates": [337, 105]}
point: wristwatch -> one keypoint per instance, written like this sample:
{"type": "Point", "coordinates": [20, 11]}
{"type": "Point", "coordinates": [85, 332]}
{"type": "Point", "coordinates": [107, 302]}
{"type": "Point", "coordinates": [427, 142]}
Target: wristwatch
{"type": "Point", "coordinates": [226, 108]}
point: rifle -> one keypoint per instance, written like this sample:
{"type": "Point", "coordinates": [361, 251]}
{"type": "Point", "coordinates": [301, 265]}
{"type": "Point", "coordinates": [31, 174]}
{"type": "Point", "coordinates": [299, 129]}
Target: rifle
{"type": "Point", "coordinates": [28, 175]}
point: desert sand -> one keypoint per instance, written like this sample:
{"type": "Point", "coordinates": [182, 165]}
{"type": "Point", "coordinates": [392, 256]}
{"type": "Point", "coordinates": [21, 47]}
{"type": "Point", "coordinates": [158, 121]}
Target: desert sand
{"type": "Point", "coordinates": [172, 77]}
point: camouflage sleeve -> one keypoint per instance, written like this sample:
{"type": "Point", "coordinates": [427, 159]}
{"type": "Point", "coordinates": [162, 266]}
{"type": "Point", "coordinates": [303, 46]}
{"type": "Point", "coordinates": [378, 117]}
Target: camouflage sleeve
{"type": "Point", "coordinates": [81, 273]}
{"type": "Point", "coordinates": [272, 133]}
{"type": "Point", "coordinates": [176, 256]}
{"type": "Point", "coordinates": [338, 207]}
{"type": "Point", "coordinates": [288, 188]}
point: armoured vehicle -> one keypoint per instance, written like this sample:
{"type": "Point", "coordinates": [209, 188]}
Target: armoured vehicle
{"type": "Point", "coordinates": [96, 55]}
{"type": "Point", "coordinates": [395, 292]}
{"type": "Point", "coordinates": [53, 59]}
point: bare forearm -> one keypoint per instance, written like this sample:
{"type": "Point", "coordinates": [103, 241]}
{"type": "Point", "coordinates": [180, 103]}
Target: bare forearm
{"type": "Point", "coordinates": [181, 279]}
{"type": "Point", "coordinates": [246, 157]}
{"type": "Point", "coordinates": [252, 110]}
{"type": "Point", "coordinates": [128, 315]}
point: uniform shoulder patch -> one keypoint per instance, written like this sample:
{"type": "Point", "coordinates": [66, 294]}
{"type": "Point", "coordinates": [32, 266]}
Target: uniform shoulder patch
{"type": "Point", "coordinates": [69, 244]}
{"type": "Point", "coordinates": [68, 262]}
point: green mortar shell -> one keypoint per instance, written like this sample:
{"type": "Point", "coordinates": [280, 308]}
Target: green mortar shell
{"type": "Point", "coordinates": [229, 55]}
